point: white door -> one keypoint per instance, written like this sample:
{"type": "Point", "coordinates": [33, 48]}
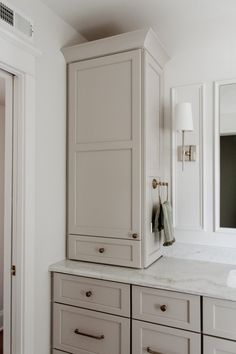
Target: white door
{"type": "Point", "coordinates": [104, 139]}
{"type": "Point", "coordinates": [6, 129]}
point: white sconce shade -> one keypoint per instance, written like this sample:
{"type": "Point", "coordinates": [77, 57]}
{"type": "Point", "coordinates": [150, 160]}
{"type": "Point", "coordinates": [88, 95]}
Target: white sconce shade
{"type": "Point", "coordinates": [183, 117]}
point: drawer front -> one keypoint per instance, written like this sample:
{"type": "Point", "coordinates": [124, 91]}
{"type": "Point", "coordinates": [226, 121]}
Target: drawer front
{"type": "Point", "coordinates": [103, 250]}
{"type": "Point", "coordinates": [218, 346]}
{"type": "Point", "coordinates": [105, 296]}
{"type": "Point", "coordinates": [155, 339]}
{"type": "Point", "coordinates": [80, 331]}
{"type": "Point", "coordinates": [58, 352]}
{"type": "Point", "coordinates": [166, 307]}
{"type": "Point", "coordinates": [219, 318]}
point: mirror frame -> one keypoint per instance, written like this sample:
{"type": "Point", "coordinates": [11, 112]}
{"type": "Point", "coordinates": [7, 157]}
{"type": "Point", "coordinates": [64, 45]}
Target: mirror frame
{"type": "Point", "coordinates": [217, 86]}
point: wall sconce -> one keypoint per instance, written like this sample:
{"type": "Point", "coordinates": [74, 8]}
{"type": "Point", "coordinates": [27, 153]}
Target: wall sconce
{"type": "Point", "coordinates": [184, 123]}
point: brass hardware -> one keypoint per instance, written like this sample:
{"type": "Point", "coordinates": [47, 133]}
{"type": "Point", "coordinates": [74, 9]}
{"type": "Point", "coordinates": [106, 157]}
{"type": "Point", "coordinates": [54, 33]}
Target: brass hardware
{"type": "Point", "coordinates": [135, 236]}
{"type": "Point", "coordinates": [77, 331]}
{"type": "Point", "coordinates": [101, 250]}
{"type": "Point", "coordinates": [163, 308]}
{"type": "Point", "coordinates": [13, 270]}
{"type": "Point", "coordinates": [149, 350]}
{"type": "Point", "coordinates": [155, 184]}
{"type": "Point", "coordinates": [88, 293]}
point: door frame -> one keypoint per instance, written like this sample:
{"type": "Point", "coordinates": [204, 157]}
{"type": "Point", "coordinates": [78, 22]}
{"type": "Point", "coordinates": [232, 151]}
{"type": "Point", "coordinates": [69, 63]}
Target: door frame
{"type": "Point", "coordinates": [18, 58]}
{"type": "Point", "coordinates": [8, 153]}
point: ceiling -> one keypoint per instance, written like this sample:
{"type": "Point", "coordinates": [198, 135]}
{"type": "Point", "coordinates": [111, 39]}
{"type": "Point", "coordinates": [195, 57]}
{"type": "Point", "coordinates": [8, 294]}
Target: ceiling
{"type": "Point", "coordinates": [2, 91]}
{"type": "Point", "coordinates": [173, 20]}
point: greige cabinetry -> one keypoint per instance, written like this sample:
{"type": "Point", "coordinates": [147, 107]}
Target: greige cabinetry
{"type": "Point", "coordinates": [103, 317]}
{"type": "Point", "coordinates": [114, 148]}
{"type": "Point", "coordinates": [85, 316]}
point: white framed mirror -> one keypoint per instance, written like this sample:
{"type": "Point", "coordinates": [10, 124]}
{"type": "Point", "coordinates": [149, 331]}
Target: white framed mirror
{"type": "Point", "coordinates": [225, 156]}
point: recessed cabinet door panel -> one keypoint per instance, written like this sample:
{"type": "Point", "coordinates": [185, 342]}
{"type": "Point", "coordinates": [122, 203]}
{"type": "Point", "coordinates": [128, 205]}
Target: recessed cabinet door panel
{"type": "Point", "coordinates": [150, 338]}
{"type": "Point", "coordinates": [103, 192]}
{"type": "Point", "coordinates": [218, 346]}
{"type": "Point", "coordinates": [104, 139]}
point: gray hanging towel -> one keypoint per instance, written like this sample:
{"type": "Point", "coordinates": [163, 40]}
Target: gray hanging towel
{"type": "Point", "coordinates": [157, 217]}
{"type": "Point", "coordinates": [169, 238]}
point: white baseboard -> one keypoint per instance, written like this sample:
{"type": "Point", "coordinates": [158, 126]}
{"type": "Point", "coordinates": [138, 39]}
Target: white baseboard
{"type": "Point", "coordinates": [1, 320]}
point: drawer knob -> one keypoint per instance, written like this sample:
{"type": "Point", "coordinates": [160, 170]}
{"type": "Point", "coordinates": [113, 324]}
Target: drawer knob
{"type": "Point", "coordinates": [135, 236]}
{"type": "Point", "coordinates": [88, 293]}
{"type": "Point", "coordinates": [77, 331]}
{"type": "Point", "coordinates": [163, 308]}
{"type": "Point", "coordinates": [149, 350]}
{"type": "Point", "coordinates": [101, 250]}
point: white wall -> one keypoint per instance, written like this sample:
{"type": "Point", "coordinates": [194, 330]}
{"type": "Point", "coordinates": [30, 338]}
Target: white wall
{"type": "Point", "coordinates": [51, 33]}
{"type": "Point", "coordinates": [2, 150]}
{"type": "Point", "coordinates": [200, 56]}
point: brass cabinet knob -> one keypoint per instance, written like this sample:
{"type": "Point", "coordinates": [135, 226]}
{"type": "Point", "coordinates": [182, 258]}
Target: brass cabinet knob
{"type": "Point", "coordinates": [135, 236]}
{"type": "Point", "coordinates": [88, 293]}
{"type": "Point", "coordinates": [101, 250]}
{"type": "Point", "coordinates": [163, 308]}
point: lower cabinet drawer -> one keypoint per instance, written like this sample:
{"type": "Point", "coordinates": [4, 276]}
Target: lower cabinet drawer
{"type": "Point", "coordinates": [80, 331]}
{"type": "Point", "coordinates": [166, 307]}
{"type": "Point", "coordinates": [219, 318]}
{"type": "Point", "coordinates": [95, 294]}
{"type": "Point", "coordinates": [218, 346]}
{"type": "Point", "coordinates": [155, 339]}
{"type": "Point", "coordinates": [105, 250]}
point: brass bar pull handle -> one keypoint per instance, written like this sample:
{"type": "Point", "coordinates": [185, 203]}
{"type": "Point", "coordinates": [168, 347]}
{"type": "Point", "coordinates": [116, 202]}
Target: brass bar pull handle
{"type": "Point", "coordinates": [149, 350]}
{"type": "Point", "coordinates": [77, 331]}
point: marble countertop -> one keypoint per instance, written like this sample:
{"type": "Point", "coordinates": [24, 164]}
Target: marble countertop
{"type": "Point", "coordinates": [184, 275]}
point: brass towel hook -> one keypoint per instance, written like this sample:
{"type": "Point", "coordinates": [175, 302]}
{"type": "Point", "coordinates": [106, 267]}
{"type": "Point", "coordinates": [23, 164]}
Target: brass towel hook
{"type": "Point", "coordinates": [156, 184]}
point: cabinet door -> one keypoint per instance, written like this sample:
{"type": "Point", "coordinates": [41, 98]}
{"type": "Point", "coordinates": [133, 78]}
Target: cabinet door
{"type": "Point", "coordinates": [218, 346]}
{"type": "Point", "coordinates": [104, 139]}
{"type": "Point", "coordinates": [154, 339]}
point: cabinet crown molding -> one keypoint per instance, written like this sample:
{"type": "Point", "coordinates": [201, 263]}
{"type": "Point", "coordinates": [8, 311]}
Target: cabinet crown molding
{"type": "Point", "coordinates": [144, 38]}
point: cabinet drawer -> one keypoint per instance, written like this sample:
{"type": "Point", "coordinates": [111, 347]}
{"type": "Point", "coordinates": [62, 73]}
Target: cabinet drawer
{"type": "Point", "coordinates": [105, 296]}
{"type": "Point", "coordinates": [166, 307]}
{"type": "Point", "coordinates": [80, 331]}
{"type": "Point", "coordinates": [218, 346]}
{"type": "Point", "coordinates": [103, 250]}
{"type": "Point", "coordinates": [219, 318]}
{"type": "Point", "coordinates": [154, 339]}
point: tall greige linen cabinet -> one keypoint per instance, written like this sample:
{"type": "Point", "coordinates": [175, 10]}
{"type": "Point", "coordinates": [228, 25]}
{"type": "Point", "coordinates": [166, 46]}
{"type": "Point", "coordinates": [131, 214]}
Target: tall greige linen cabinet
{"type": "Point", "coordinates": [114, 148]}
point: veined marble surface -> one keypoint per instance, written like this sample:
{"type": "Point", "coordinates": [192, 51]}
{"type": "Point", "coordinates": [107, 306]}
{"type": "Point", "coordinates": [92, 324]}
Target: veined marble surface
{"type": "Point", "coordinates": [184, 275]}
{"type": "Point", "coordinates": [196, 252]}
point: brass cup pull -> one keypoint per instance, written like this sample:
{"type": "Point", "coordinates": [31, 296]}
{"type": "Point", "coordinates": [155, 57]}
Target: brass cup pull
{"type": "Point", "coordinates": [163, 308]}
{"type": "Point", "coordinates": [77, 331]}
{"type": "Point", "coordinates": [89, 293]}
{"type": "Point", "coordinates": [101, 250]}
{"type": "Point", "coordinates": [149, 350]}
{"type": "Point", "coordinates": [135, 236]}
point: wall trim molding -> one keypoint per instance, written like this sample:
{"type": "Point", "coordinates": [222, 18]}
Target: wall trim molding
{"type": "Point", "coordinates": [201, 155]}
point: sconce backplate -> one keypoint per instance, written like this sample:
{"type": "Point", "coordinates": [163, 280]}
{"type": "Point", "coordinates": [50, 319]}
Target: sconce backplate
{"type": "Point", "coordinates": [190, 153]}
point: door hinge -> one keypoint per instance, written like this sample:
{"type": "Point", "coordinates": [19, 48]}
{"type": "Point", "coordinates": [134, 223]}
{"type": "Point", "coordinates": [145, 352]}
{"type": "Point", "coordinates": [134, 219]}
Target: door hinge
{"type": "Point", "coordinates": [13, 270]}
